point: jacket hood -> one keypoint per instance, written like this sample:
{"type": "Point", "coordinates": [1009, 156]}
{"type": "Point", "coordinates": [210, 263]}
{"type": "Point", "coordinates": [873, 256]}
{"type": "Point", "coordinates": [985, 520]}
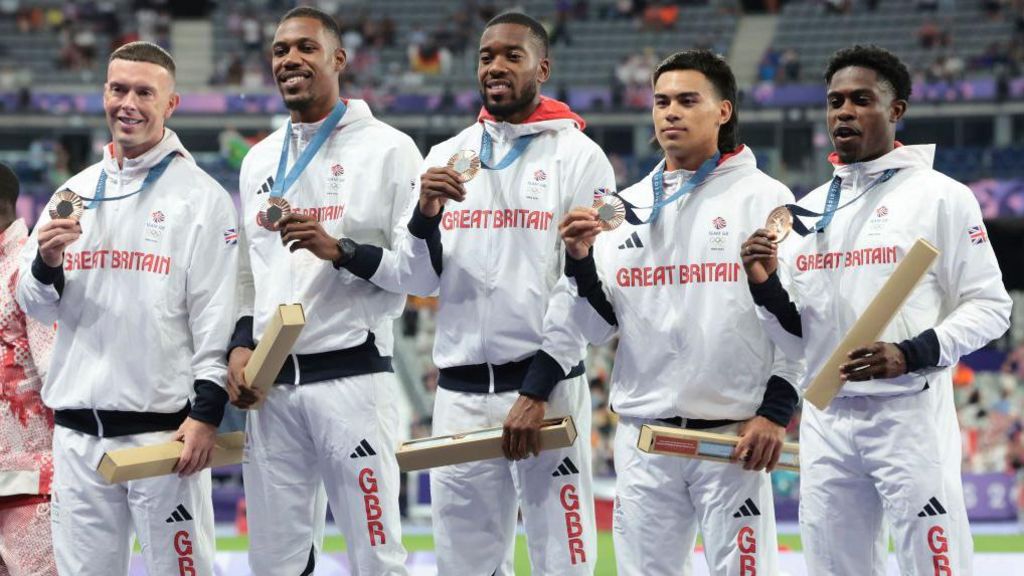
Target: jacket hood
{"type": "Point", "coordinates": [742, 157]}
{"type": "Point", "coordinates": [355, 111]}
{"type": "Point", "coordinates": [133, 167]}
{"type": "Point", "coordinates": [550, 114]}
{"type": "Point", "coordinates": [918, 156]}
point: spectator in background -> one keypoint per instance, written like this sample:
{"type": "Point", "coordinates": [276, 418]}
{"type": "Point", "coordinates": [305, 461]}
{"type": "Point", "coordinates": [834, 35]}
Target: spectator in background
{"type": "Point", "coordinates": [768, 68]}
{"type": "Point", "coordinates": [931, 35]}
{"type": "Point", "coordinates": [661, 16]}
{"type": "Point", "coordinates": [252, 34]}
{"type": "Point", "coordinates": [790, 62]}
{"type": "Point", "coordinates": [429, 59]}
{"type": "Point", "coordinates": [836, 6]}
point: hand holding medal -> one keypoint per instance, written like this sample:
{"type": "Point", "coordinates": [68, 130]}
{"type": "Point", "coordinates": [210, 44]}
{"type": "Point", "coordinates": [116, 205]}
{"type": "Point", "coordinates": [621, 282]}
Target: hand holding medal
{"type": "Point", "coordinates": [442, 183]}
{"type": "Point", "coordinates": [579, 230]}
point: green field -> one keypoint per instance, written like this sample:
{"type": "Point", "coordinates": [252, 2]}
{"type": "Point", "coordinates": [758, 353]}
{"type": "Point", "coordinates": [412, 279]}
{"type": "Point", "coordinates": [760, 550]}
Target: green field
{"type": "Point", "coordinates": [606, 554]}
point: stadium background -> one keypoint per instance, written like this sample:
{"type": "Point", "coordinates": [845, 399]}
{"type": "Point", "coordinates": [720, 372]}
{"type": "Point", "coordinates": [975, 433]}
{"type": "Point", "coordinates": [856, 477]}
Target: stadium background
{"type": "Point", "coordinates": [414, 62]}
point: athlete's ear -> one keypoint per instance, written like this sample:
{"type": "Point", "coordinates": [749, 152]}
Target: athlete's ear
{"type": "Point", "coordinates": [172, 105]}
{"type": "Point", "coordinates": [897, 109]}
{"type": "Point", "coordinates": [340, 59]}
{"type": "Point", "coordinates": [724, 112]}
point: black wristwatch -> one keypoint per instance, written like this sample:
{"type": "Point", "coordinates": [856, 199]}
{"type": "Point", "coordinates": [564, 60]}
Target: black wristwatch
{"type": "Point", "coordinates": [347, 246]}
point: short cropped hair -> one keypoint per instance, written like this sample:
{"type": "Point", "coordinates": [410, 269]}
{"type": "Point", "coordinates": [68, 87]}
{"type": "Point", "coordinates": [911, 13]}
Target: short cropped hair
{"type": "Point", "coordinates": [145, 52]}
{"type": "Point", "coordinates": [888, 66]}
{"type": "Point", "coordinates": [326, 20]}
{"type": "Point", "coordinates": [537, 30]}
{"type": "Point", "coordinates": [718, 72]}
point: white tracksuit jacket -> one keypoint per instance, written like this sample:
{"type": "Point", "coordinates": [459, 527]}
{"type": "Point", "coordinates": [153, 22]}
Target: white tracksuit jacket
{"type": "Point", "coordinates": [832, 276]}
{"type": "Point", "coordinates": [690, 344]}
{"type": "Point", "coordinates": [145, 297]}
{"type": "Point", "coordinates": [500, 250]}
{"type": "Point", "coordinates": [342, 310]}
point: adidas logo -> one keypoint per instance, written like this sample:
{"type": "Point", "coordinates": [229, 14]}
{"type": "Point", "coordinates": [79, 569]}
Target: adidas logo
{"type": "Point", "coordinates": [932, 508]}
{"type": "Point", "coordinates": [748, 509]}
{"type": "Point", "coordinates": [362, 450]}
{"type": "Point", "coordinates": [632, 242]}
{"type": "Point", "coordinates": [566, 468]}
{"type": "Point", "coordinates": [179, 515]}
{"type": "Point", "coordinates": [265, 189]}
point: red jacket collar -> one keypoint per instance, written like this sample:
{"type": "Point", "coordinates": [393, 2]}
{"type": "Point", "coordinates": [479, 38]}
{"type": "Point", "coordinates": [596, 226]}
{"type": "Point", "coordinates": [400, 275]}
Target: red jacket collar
{"type": "Point", "coordinates": [548, 109]}
{"type": "Point", "coordinates": [735, 151]}
{"type": "Point", "coordinates": [833, 157]}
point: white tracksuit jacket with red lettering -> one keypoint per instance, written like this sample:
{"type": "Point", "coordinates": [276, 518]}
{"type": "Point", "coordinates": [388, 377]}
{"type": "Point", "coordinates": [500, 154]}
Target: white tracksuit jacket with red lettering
{"type": "Point", "coordinates": [341, 308]}
{"type": "Point", "coordinates": [501, 253]}
{"type": "Point", "coordinates": [832, 276]}
{"type": "Point", "coordinates": [147, 302]}
{"type": "Point", "coordinates": [690, 344]}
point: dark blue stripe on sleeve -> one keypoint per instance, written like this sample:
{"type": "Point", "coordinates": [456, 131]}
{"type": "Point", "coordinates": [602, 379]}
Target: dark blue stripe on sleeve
{"type": "Point", "coordinates": [427, 229]}
{"type": "Point", "coordinates": [541, 378]}
{"type": "Point", "coordinates": [49, 275]}
{"type": "Point", "coordinates": [365, 261]}
{"type": "Point", "coordinates": [242, 336]}
{"type": "Point", "coordinates": [780, 400]}
{"type": "Point", "coordinates": [210, 401]}
{"type": "Point", "coordinates": [774, 298]}
{"type": "Point", "coordinates": [921, 351]}
{"type": "Point", "coordinates": [588, 285]}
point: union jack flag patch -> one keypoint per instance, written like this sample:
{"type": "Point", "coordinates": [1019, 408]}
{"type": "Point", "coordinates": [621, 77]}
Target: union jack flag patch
{"type": "Point", "coordinates": [231, 236]}
{"type": "Point", "coordinates": [977, 235]}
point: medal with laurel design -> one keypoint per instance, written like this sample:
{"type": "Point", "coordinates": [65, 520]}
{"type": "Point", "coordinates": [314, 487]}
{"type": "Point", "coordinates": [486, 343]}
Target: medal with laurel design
{"type": "Point", "coordinates": [466, 163]}
{"type": "Point", "coordinates": [65, 204]}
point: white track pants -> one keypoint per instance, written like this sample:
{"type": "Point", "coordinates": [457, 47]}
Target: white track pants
{"type": "Point", "coordinates": [867, 460]}
{"type": "Point", "coordinates": [475, 504]}
{"type": "Point", "coordinates": [93, 521]}
{"type": "Point", "coordinates": [661, 502]}
{"type": "Point", "coordinates": [339, 435]}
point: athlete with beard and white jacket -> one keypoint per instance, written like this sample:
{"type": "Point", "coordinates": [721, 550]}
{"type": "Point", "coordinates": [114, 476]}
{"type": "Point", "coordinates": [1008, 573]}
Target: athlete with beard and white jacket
{"type": "Point", "coordinates": [691, 352]}
{"type": "Point", "coordinates": [142, 288]}
{"type": "Point", "coordinates": [494, 259]}
{"type": "Point", "coordinates": [889, 445]}
{"type": "Point", "coordinates": [332, 419]}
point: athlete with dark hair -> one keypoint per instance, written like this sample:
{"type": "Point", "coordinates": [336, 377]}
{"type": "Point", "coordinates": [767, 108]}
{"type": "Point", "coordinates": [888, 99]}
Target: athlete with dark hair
{"type": "Point", "coordinates": [691, 352]}
{"type": "Point", "coordinates": [329, 427]}
{"type": "Point", "coordinates": [485, 238]}
{"type": "Point", "coordinates": [888, 447]}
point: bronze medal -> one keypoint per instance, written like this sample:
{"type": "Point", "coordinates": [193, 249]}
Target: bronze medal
{"type": "Point", "coordinates": [780, 222]}
{"type": "Point", "coordinates": [610, 211]}
{"type": "Point", "coordinates": [277, 208]}
{"type": "Point", "coordinates": [466, 163]}
{"type": "Point", "coordinates": [65, 204]}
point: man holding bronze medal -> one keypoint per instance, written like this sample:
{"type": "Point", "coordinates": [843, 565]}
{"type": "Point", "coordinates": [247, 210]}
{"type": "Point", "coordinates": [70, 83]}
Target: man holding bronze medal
{"type": "Point", "coordinates": [131, 261]}
{"type": "Point", "coordinates": [333, 176]}
{"type": "Point", "coordinates": [656, 265]}
{"type": "Point", "coordinates": [888, 447]}
{"type": "Point", "coordinates": [484, 237]}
